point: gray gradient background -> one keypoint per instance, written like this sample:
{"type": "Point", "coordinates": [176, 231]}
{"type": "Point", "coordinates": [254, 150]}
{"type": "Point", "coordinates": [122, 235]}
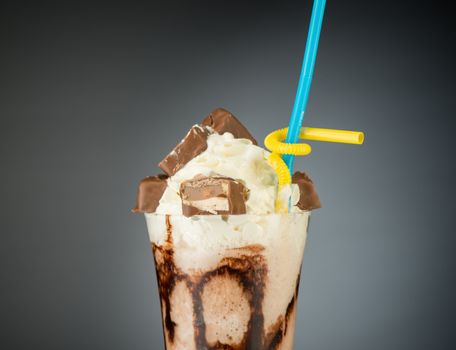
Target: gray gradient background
{"type": "Point", "coordinates": [92, 96]}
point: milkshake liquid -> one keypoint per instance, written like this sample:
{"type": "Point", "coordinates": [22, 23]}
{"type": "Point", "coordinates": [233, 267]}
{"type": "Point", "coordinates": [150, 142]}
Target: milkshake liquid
{"type": "Point", "coordinates": [228, 282]}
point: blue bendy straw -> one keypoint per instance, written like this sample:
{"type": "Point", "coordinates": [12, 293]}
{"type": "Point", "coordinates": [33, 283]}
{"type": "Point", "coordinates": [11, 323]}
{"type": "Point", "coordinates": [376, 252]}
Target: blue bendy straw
{"type": "Point", "coordinates": [305, 80]}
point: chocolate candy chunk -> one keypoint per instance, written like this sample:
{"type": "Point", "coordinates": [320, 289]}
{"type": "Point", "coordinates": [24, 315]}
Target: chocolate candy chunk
{"type": "Point", "coordinates": [223, 121]}
{"type": "Point", "coordinates": [213, 195]}
{"type": "Point", "coordinates": [150, 190]}
{"type": "Point", "coordinates": [308, 199]}
{"type": "Point", "coordinates": [193, 144]}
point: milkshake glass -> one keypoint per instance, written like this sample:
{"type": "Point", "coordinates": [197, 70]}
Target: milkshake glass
{"type": "Point", "coordinates": [228, 281]}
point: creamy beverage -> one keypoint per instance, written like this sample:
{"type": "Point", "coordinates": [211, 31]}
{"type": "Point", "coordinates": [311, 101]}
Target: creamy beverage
{"type": "Point", "coordinates": [228, 261]}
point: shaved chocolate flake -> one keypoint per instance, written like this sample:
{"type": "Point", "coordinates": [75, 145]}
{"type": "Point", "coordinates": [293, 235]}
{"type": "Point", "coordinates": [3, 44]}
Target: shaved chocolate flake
{"type": "Point", "coordinates": [150, 191]}
{"type": "Point", "coordinates": [223, 121]}
{"type": "Point", "coordinates": [193, 144]}
{"type": "Point", "coordinates": [308, 199]}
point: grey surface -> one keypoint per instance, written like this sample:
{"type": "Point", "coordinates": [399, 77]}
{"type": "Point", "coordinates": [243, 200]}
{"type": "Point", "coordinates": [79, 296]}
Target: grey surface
{"type": "Point", "coordinates": [91, 98]}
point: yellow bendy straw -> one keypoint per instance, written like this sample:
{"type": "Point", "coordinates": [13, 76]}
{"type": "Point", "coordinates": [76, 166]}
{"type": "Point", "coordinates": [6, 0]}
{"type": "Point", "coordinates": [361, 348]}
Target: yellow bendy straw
{"type": "Point", "coordinates": [276, 161]}
{"type": "Point", "coordinates": [283, 174]}
{"type": "Point", "coordinates": [274, 143]}
{"type": "Point", "coordinates": [332, 135]}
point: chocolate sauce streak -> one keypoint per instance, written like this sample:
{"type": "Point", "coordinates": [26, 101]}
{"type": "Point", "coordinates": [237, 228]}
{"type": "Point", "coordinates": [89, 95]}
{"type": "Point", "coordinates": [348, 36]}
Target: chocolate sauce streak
{"type": "Point", "coordinates": [248, 271]}
{"type": "Point", "coordinates": [279, 330]}
{"type": "Point", "coordinates": [167, 277]}
{"type": "Point", "coordinates": [292, 304]}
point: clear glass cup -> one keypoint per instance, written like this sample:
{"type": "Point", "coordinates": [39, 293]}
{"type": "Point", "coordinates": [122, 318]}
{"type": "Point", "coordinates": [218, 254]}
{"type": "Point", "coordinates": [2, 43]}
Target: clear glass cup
{"type": "Point", "coordinates": [228, 282]}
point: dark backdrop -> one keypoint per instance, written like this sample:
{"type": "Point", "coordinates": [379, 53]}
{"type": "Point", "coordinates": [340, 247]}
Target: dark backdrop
{"type": "Point", "coordinates": [92, 96]}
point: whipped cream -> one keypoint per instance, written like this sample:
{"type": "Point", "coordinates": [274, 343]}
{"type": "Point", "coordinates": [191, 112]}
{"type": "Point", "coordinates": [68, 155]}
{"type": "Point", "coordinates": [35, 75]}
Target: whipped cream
{"type": "Point", "coordinates": [238, 159]}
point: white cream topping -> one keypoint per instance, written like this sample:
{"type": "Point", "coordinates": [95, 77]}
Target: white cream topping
{"type": "Point", "coordinates": [240, 160]}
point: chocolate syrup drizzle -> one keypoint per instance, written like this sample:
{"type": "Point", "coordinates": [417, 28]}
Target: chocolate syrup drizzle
{"type": "Point", "coordinates": [249, 271]}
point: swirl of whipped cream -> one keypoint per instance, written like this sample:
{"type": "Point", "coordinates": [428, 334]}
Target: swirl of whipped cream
{"type": "Point", "coordinates": [239, 159]}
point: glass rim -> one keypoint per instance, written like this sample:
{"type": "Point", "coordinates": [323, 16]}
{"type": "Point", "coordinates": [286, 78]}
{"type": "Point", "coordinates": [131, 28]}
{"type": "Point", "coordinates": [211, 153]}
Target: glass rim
{"type": "Point", "coordinates": [206, 216]}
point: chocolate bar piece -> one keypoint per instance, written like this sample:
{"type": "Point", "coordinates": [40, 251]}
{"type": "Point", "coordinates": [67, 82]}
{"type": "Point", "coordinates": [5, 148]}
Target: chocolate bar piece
{"type": "Point", "coordinates": [308, 199]}
{"type": "Point", "coordinates": [213, 195]}
{"type": "Point", "coordinates": [150, 191]}
{"type": "Point", "coordinates": [193, 144]}
{"type": "Point", "coordinates": [223, 121]}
